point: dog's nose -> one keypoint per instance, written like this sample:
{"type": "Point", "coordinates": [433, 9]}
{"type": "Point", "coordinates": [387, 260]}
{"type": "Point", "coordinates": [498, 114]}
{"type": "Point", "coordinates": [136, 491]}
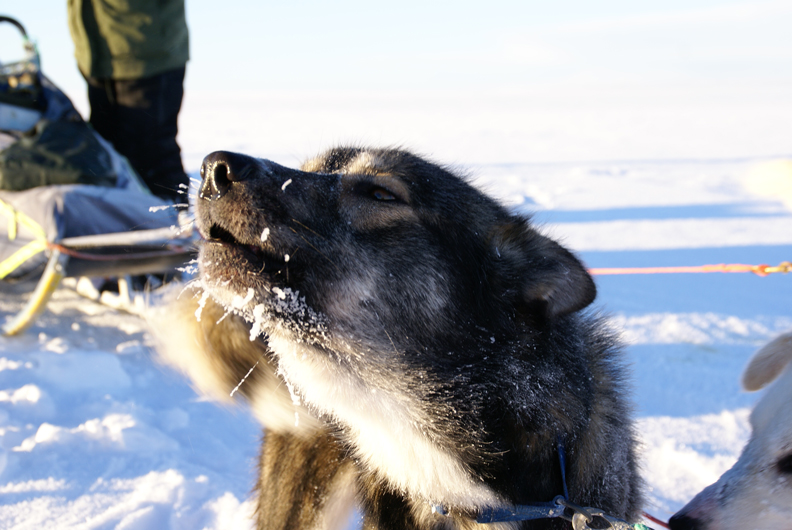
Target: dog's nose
{"type": "Point", "coordinates": [220, 169]}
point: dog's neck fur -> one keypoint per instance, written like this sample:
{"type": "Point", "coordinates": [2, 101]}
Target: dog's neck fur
{"type": "Point", "coordinates": [386, 431]}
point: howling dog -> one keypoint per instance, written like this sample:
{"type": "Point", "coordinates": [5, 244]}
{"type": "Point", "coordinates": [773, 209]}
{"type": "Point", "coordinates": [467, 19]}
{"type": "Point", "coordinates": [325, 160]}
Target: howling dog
{"type": "Point", "coordinates": [756, 492]}
{"type": "Point", "coordinates": [411, 347]}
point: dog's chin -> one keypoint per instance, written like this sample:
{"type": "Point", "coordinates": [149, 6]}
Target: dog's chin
{"type": "Point", "coordinates": [229, 270]}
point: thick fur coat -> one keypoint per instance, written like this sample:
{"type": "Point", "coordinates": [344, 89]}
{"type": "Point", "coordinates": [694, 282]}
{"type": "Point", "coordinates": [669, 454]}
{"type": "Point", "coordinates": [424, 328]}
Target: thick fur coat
{"type": "Point", "coordinates": [412, 344]}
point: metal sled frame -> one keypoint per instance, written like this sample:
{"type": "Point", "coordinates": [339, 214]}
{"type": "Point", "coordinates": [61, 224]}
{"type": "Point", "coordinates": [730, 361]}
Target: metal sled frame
{"type": "Point", "coordinates": [104, 255]}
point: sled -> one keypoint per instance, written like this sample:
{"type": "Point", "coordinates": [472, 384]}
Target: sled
{"type": "Point", "coordinates": [51, 231]}
{"type": "Point", "coordinates": [70, 205]}
{"type": "Point", "coordinates": [146, 252]}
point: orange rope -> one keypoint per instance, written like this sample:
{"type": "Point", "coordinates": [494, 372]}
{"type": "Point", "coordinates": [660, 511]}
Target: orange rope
{"type": "Point", "coordinates": [759, 270]}
{"type": "Point", "coordinates": [656, 520]}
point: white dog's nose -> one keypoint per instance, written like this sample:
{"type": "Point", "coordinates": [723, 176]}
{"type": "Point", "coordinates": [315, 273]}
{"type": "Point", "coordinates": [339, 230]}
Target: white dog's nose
{"type": "Point", "coordinates": [683, 522]}
{"type": "Point", "coordinates": [698, 513]}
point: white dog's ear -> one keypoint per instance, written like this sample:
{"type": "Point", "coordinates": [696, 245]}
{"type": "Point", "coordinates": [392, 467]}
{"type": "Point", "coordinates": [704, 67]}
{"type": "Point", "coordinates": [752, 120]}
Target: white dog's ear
{"type": "Point", "coordinates": [768, 363]}
{"type": "Point", "coordinates": [552, 282]}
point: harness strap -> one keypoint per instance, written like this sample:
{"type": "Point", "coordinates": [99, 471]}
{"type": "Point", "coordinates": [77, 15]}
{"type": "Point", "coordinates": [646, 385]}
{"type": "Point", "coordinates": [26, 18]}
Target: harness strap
{"type": "Point", "coordinates": [526, 512]}
{"type": "Point", "coordinates": [560, 506]}
{"type": "Point", "coordinates": [562, 461]}
{"type": "Point", "coordinates": [523, 512]}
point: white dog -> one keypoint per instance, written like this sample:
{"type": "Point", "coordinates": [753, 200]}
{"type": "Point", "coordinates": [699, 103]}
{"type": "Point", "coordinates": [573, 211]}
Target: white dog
{"type": "Point", "coordinates": [756, 493]}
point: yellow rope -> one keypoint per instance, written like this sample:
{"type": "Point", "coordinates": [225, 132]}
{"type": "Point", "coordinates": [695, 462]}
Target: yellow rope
{"type": "Point", "coordinates": [17, 217]}
{"type": "Point", "coordinates": [19, 257]}
{"type": "Point", "coordinates": [784, 266]}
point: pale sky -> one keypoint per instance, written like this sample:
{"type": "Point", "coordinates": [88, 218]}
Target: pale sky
{"type": "Point", "coordinates": [512, 81]}
{"type": "Point", "coordinates": [434, 45]}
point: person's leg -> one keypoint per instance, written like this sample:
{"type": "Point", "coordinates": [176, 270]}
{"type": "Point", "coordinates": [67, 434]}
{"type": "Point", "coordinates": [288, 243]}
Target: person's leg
{"type": "Point", "coordinates": [143, 129]}
{"type": "Point", "coordinates": [101, 96]}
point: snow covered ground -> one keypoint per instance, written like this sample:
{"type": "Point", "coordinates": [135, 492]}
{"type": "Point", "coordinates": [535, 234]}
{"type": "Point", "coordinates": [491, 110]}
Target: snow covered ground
{"type": "Point", "coordinates": [94, 434]}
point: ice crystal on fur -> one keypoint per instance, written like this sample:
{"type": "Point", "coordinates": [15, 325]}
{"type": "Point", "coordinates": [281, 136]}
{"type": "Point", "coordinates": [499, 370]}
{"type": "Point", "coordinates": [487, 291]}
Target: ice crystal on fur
{"type": "Point", "coordinates": [234, 391]}
{"type": "Point", "coordinates": [292, 392]}
{"type": "Point", "coordinates": [201, 303]}
{"type": "Point", "coordinates": [241, 303]}
{"type": "Point", "coordinates": [188, 269]}
{"type": "Point", "coordinates": [257, 310]}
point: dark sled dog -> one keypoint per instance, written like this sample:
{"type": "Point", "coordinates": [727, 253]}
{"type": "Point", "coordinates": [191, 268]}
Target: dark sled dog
{"type": "Point", "coordinates": [407, 343]}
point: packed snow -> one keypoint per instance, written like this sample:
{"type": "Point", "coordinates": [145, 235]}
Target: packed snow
{"type": "Point", "coordinates": [95, 434]}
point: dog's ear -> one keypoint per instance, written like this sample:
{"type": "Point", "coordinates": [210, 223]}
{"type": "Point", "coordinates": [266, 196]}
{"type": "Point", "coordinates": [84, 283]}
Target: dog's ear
{"type": "Point", "coordinates": [551, 282]}
{"type": "Point", "coordinates": [768, 363]}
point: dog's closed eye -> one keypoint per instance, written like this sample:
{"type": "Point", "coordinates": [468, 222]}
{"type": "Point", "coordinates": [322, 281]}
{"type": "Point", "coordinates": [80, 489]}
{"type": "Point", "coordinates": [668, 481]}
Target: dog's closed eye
{"type": "Point", "coordinates": [377, 192]}
{"type": "Point", "coordinates": [381, 194]}
{"type": "Point", "coordinates": [785, 465]}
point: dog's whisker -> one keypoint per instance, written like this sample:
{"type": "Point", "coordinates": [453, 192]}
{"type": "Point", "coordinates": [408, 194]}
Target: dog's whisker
{"type": "Point", "coordinates": [310, 230]}
{"type": "Point", "coordinates": [387, 335]}
{"type": "Point", "coordinates": [315, 249]}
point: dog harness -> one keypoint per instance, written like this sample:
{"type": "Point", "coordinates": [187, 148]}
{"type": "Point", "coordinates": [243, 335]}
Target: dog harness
{"type": "Point", "coordinates": [560, 506]}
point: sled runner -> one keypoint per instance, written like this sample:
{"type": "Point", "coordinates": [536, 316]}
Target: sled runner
{"type": "Point", "coordinates": [70, 205]}
{"type": "Point", "coordinates": [57, 229]}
